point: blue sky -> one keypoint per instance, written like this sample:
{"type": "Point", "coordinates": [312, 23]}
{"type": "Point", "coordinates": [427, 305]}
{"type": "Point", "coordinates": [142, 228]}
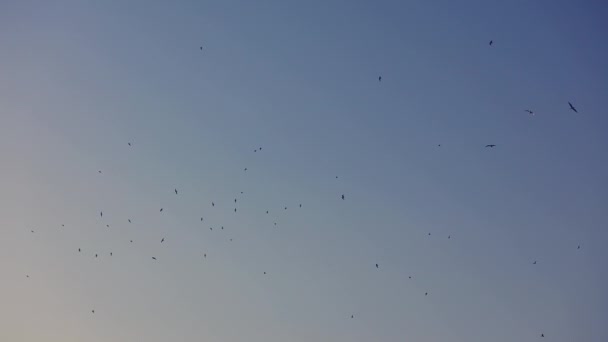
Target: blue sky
{"type": "Point", "coordinates": [79, 80]}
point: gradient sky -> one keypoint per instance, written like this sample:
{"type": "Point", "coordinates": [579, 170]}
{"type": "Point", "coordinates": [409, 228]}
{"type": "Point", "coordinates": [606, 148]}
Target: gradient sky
{"type": "Point", "coordinates": [80, 79]}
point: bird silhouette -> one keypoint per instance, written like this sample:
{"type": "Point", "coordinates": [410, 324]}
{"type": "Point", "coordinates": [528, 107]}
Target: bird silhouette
{"type": "Point", "coordinates": [542, 335]}
{"type": "Point", "coordinates": [212, 204]}
{"type": "Point", "coordinates": [78, 250]}
{"type": "Point", "coordinates": [129, 220]}
{"type": "Point", "coordinates": [176, 191]}
{"type": "Point", "coordinates": [205, 255]}
{"type": "Point", "coordinates": [129, 144]}
{"type": "Point", "coordinates": [352, 316]}
{"type": "Point", "coordinates": [300, 205]}
{"type": "Point", "coordinates": [426, 293]}
{"type": "Point", "coordinates": [162, 240]}
{"type": "Point", "coordinates": [572, 107]}
{"type": "Point", "coordinates": [235, 210]}
{"type": "Point", "coordinates": [201, 219]}
{"type": "Point", "coordinates": [377, 266]}
{"type": "Point", "coordinates": [235, 200]}
{"type": "Point", "coordinates": [153, 258]}
{"type": "Point", "coordinates": [534, 263]}
{"type": "Point", "coordinates": [96, 255]}
{"type": "Point", "coordinates": [266, 211]}
{"type": "Point", "coordinates": [161, 210]}
{"type": "Point", "coordinates": [245, 169]}
{"type": "Point", "coordinates": [201, 48]}
{"type": "Point", "coordinates": [131, 241]}
{"type": "Point", "coordinates": [449, 236]}
{"type": "Point", "coordinates": [110, 253]}
{"type": "Point", "coordinates": [101, 213]}
{"type": "Point", "coordinates": [379, 78]}
{"type": "Point", "coordinates": [93, 311]}
{"type": "Point", "coordinates": [490, 145]}
{"type": "Point", "coordinates": [343, 197]}
{"type": "Point", "coordinates": [107, 225]}
{"type": "Point", "coordinates": [579, 247]}
{"type": "Point", "coordinates": [491, 42]}
{"type": "Point", "coordinates": [99, 171]}
{"type": "Point", "coordinates": [529, 112]}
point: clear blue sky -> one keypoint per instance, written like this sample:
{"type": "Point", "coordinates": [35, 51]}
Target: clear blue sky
{"type": "Point", "coordinates": [79, 80]}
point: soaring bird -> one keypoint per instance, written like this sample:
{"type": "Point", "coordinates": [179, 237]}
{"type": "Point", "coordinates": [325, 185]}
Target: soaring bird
{"type": "Point", "coordinates": [352, 316]}
{"type": "Point", "coordinates": [342, 196]}
{"type": "Point", "coordinates": [93, 311]}
{"type": "Point", "coordinates": [201, 219]}
{"type": "Point", "coordinates": [78, 250]}
{"type": "Point", "coordinates": [129, 220]}
{"type": "Point", "coordinates": [529, 112]}
{"type": "Point", "coordinates": [176, 191]}
{"type": "Point", "coordinates": [101, 213]}
{"type": "Point", "coordinates": [491, 42]}
{"type": "Point", "coordinates": [285, 208]}
{"type": "Point", "coordinates": [161, 210]}
{"type": "Point", "coordinates": [266, 211]}
{"type": "Point", "coordinates": [572, 107]}
{"type": "Point", "coordinates": [449, 236]}
{"type": "Point", "coordinates": [205, 255]}
{"type": "Point", "coordinates": [377, 266]}
{"type": "Point", "coordinates": [162, 240]}
{"type": "Point", "coordinates": [201, 48]}
{"type": "Point", "coordinates": [96, 255]}
{"type": "Point", "coordinates": [99, 171]}
{"type": "Point", "coordinates": [110, 253]}
{"type": "Point", "coordinates": [300, 205]}
{"type": "Point", "coordinates": [534, 263]}
{"type": "Point", "coordinates": [235, 210]}
{"type": "Point", "coordinates": [107, 225]}
{"type": "Point", "coordinates": [235, 200]}
{"type": "Point", "coordinates": [264, 272]}
{"type": "Point", "coordinates": [129, 144]}
{"type": "Point", "coordinates": [379, 78]}
{"type": "Point", "coordinates": [542, 335]}
{"type": "Point", "coordinates": [31, 231]}
{"type": "Point", "coordinates": [212, 204]}
{"type": "Point", "coordinates": [490, 145]}
{"type": "Point", "coordinates": [245, 169]}
{"type": "Point", "coordinates": [579, 247]}
{"type": "Point", "coordinates": [131, 241]}
{"type": "Point", "coordinates": [426, 293]}
{"type": "Point", "coordinates": [153, 258]}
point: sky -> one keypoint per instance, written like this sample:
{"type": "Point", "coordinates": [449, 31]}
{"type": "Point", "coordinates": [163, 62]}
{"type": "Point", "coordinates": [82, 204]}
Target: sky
{"type": "Point", "coordinates": [298, 82]}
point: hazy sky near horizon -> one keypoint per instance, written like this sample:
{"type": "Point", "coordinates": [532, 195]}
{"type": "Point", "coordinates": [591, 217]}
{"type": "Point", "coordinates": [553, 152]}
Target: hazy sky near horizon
{"type": "Point", "coordinates": [81, 79]}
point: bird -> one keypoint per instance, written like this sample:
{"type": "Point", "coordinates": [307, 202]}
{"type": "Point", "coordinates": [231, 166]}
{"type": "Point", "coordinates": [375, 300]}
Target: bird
{"type": "Point", "coordinates": [285, 208]}
{"type": "Point", "coordinates": [266, 211]}
{"type": "Point", "coordinates": [410, 277]}
{"type": "Point", "coordinates": [210, 228]}
{"type": "Point", "coordinates": [110, 253]}
{"type": "Point", "coordinates": [222, 227]}
{"type": "Point", "coordinates": [377, 266]}
{"type": "Point", "coordinates": [63, 225]}
{"type": "Point", "coordinates": [205, 255]}
{"type": "Point", "coordinates": [245, 169]}
{"type": "Point", "coordinates": [429, 234]}
{"type": "Point", "coordinates": [490, 145]}
{"type": "Point", "coordinates": [131, 241]}
{"type": "Point", "coordinates": [491, 42]}
{"type": "Point", "coordinates": [31, 231]}
{"type": "Point", "coordinates": [96, 255]}
{"type": "Point", "coordinates": [161, 210]}
{"type": "Point", "coordinates": [542, 335]}
{"type": "Point", "coordinates": [255, 150]}
{"type": "Point", "coordinates": [176, 191]}
{"type": "Point", "coordinates": [379, 78]}
{"type": "Point", "coordinates": [235, 210]}
{"type": "Point", "coordinates": [426, 293]}
{"type": "Point", "coordinates": [99, 171]}
{"type": "Point", "coordinates": [78, 250]}
{"type": "Point", "coordinates": [336, 177]}
{"type": "Point", "coordinates": [534, 263]}
{"type": "Point", "coordinates": [212, 204]}
{"type": "Point", "coordinates": [264, 272]}
{"type": "Point", "coordinates": [107, 225]}
{"type": "Point", "coordinates": [579, 247]}
{"type": "Point", "coordinates": [235, 200]}
{"type": "Point", "coordinates": [101, 213]}
{"type": "Point", "coordinates": [129, 220]}
{"type": "Point", "coordinates": [201, 219]}
{"type": "Point", "coordinates": [162, 240]}
{"type": "Point", "coordinates": [93, 311]}
{"type": "Point", "coordinates": [153, 258]}
{"type": "Point", "coordinates": [343, 197]}
{"type": "Point", "coordinates": [201, 48]}
{"type": "Point", "coordinates": [300, 205]}
{"type": "Point", "coordinates": [129, 144]}
{"type": "Point", "coordinates": [572, 107]}
{"type": "Point", "coordinates": [449, 236]}
{"type": "Point", "coordinates": [439, 145]}
{"type": "Point", "coordinates": [260, 148]}
{"type": "Point", "coordinates": [27, 275]}
{"type": "Point", "coordinates": [352, 316]}
{"type": "Point", "coordinates": [529, 112]}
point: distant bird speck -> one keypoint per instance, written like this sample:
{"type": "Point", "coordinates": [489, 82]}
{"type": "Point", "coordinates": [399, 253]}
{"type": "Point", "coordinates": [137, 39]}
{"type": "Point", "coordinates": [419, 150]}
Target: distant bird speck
{"type": "Point", "coordinates": [176, 191]}
{"type": "Point", "coordinates": [491, 145]}
{"type": "Point", "coordinates": [161, 210]}
{"type": "Point", "coordinates": [491, 42]}
{"type": "Point", "coordinates": [572, 107]}
{"type": "Point", "coordinates": [129, 220]}
{"type": "Point", "coordinates": [379, 78]}
{"type": "Point", "coordinates": [529, 112]}
{"type": "Point", "coordinates": [162, 240]}
{"type": "Point", "coordinates": [377, 266]}
{"type": "Point", "coordinates": [343, 197]}
{"type": "Point", "coordinates": [153, 258]}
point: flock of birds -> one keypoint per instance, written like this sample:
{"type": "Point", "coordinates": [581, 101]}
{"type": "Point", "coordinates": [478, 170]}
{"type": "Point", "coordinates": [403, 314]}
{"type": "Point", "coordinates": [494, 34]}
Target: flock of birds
{"type": "Point", "coordinates": [342, 197]}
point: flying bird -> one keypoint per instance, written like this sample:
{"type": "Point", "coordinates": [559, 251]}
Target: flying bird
{"type": "Point", "coordinates": [99, 171]}
{"type": "Point", "coordinates": [205, 255]}
{"type": "Point", "coordinates": [93, 311]}
{"type": "Point", "coordinates": [129, 144]}
{"type": "Point", "coordinates": [534, 263]}
{"type": "Point", "coordinates": [542, 335]}
{"type": "Point", "coordinates": [266, 211]}
{"type": "Point", "coordinates": [162, 240]}
{"type": "Point", "coordinates": [379, 78]}
{"type": "Point", "coordinates": [426, 293]}
{"type": "Point", "coordinates": [491, 42]}
{"type": "Point", "coordinates": [342, 196]}
{"type": "Point", "coordinates": [235, 200]}
{"type": "Point", "coordinates": [129, 220]}
{"type": "Point", "coordinates": [377, 266]}
{"type": "Point", "coordinates": [78, 250]}
{"type": "Point", "coordinates": [153, 258]}
{"type": "Point", "coordinates": [579, 247]}
{"type": "Point", "coordinates": [529, 112]}
{"type": "Point", "coordinates": [201, 219]}
{"type": "Point", "coordinates": [352, 316]}
{"type": "Point", "coordinates": [101, 213]}
{"type": "Point", "coordinates": [491, 145]}
{"type": "Point", "coordinates": [201, 48]}
{"type": "Point", "coordinates": [131, 241]}
{"type": "Point", "coordinates": [235, 210]}
{"type": "Point", "coordinates": [110, 253]}
{"type": "Point", "coordinates": [572, 107]}
{"type": "Point", "coordinates": [212, 204]}
{"type": "Point", "coordinates": [300, 205]}
{"type": "Point", "coordinates": [245, 169]}
{"type": "Point", "coordinates": [96, 255]}
{"type": "Point", "coordinates": [176, 191]}
{"type": "Point", "coordinates": [161, 210]}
